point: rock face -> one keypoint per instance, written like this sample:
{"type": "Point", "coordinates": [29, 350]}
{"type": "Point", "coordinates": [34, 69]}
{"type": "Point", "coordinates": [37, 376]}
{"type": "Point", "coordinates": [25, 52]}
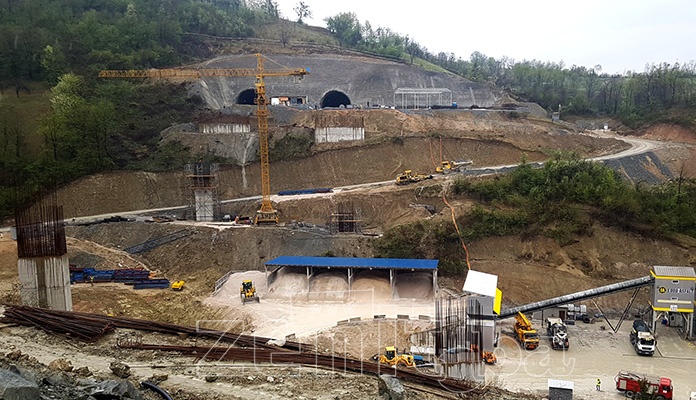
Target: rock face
{"type": "Point", "coordinates": [15, 387]}
{"type": "Point", "coordinates": [357, 80]}
{"type": "Point", "coordinates": [390, 388]}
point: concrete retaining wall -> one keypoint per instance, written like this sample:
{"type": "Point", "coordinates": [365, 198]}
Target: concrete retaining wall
{"type": "Point", "coordinates": [224, 128]}
{"type": "Point", "coordinates": [338, 134]}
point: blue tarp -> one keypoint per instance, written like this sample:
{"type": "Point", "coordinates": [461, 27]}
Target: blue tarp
{"type": "Point", "coordinates": [346, 262]}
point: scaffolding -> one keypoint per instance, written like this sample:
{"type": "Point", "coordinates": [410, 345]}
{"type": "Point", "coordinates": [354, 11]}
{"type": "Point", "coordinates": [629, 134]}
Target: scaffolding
{"type": "Point", "coordinates": [417, 98]}
{"type": "Point", "coordinates": [456, 343]}
{"type": "Point", "coordinates": [203, 184]}
{"type": "Point", "coordinates": [345, 219]}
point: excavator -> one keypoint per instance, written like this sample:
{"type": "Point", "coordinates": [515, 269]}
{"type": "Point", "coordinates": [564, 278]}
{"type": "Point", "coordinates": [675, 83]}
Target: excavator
{"type": "Point", "coordinates": [451, 166]}
{"type": "Point", "coordinates": [248, 292]}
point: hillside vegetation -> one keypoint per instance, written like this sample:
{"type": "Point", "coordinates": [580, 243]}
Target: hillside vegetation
{"type": "Point", "coordinates": [562, 200]}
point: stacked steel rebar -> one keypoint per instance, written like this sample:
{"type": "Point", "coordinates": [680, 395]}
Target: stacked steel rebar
{"type": "Point", "coordinates": [91, 327]}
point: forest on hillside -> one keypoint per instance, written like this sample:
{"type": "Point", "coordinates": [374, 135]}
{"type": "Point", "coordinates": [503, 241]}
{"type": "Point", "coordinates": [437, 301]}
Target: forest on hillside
{"type": "Point", "coordinates": [636, 97]}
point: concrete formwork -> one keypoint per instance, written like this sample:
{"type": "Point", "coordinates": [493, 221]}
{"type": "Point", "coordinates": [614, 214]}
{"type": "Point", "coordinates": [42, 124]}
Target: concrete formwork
{"type": "Point", "coordinates": [45, 282]}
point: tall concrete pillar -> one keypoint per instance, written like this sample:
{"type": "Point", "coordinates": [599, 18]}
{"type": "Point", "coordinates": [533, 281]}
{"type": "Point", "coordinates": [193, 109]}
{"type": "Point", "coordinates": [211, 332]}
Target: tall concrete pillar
{"type": "Point", "coordinates": [45, 282]}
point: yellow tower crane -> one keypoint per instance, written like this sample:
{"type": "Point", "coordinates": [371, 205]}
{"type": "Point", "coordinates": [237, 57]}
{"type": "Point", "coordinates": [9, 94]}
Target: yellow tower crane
{"type": "Point", "coordinates": [266, 214]}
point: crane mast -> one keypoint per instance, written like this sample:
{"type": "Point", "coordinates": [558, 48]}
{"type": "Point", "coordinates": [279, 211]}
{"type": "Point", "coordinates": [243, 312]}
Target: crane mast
{"type": "Point", "coordinates": [266, 214]}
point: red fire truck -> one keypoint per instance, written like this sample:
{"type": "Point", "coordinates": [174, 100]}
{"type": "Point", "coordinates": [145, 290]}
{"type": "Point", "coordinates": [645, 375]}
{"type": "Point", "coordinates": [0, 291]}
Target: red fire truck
{"type": "Point", "coordinates": [629, 383]}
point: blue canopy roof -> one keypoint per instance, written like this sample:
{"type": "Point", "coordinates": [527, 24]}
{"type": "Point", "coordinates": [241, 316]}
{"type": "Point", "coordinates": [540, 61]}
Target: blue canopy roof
{"type": "Point", "coordinates": [351, 262]}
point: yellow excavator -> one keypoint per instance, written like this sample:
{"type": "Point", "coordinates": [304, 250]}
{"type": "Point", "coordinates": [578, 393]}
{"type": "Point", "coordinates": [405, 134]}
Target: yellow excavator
{"type": "Point", "coordinates": [248, 292]}
{"type": "Point", "coordinates": [451, 166]}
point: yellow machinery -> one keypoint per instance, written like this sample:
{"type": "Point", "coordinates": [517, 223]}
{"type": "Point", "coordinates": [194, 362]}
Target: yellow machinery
{"type": "Point", "coordinates": [405, 178]}
{"type": "Point", "coordinates": [526, 335]}
{"type": "Point", "coordinates": [489, 357]}
{"type": "Point", "coordinates": [391, 358]}
{"type": "Point", "coordinates": [178, 285]}
{"type": "Point", "coordinates": [266, 214]}
{"type": "Point", "coordinates": [450, 166]}
{"type": "Point", "coordinates": [409, 177]}
{"type": "Point", "coordinates": [248, 292]}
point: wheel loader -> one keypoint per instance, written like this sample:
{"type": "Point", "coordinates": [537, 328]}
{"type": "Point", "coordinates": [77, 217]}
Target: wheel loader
{"type": "Point", "coordinates": [393, 359]}
{"type": "Point", "coordinates": [248, 292]}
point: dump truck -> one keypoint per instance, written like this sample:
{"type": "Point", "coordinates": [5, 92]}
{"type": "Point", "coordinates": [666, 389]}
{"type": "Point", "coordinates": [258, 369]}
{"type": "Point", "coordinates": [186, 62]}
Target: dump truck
{"type": "Point", "coordinates": [525, 333]}
{"type": "Point", "coordinates": [409, 177]}
{"type": "Point", "coordinates": [451, 166]}
{"type": "Point", "coordinates": [642, 339]}
{"type": "Point", "coordinates": [248, 292]}
{"type": "Point", "coordinates": [178, 285]}
{"type": "Point", "coordinates": [557, 331]}
{"type": "Point", "coordinates": [630, 382]}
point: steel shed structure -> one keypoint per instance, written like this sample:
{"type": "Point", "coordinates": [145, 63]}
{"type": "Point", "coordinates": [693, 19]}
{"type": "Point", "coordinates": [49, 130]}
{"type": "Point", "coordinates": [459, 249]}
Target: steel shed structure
{"type": "Point", "coordinates": [350, 264]}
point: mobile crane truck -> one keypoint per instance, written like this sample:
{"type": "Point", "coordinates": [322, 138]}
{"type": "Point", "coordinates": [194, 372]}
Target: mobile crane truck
{"type": "Point", "coordinates": [525, 333]}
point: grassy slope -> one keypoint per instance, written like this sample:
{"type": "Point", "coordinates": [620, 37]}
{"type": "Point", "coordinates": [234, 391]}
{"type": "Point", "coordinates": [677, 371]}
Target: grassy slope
{"type": "Point", "coordinates": [26, 112]}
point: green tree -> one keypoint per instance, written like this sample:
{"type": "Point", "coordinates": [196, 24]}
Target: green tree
{"type": "Point", "coordinates": [346, 28]}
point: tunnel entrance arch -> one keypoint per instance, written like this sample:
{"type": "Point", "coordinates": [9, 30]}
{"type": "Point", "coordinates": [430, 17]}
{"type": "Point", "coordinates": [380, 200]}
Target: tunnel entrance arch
{"type": "Point", "coordinates": [335, 98]}
{"type": "Point", "coordinates": [247, 97]}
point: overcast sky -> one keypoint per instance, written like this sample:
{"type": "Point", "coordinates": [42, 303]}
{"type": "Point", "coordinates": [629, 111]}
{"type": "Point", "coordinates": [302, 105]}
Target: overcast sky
{"type": "Point", "coordinates": [619, 35]}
